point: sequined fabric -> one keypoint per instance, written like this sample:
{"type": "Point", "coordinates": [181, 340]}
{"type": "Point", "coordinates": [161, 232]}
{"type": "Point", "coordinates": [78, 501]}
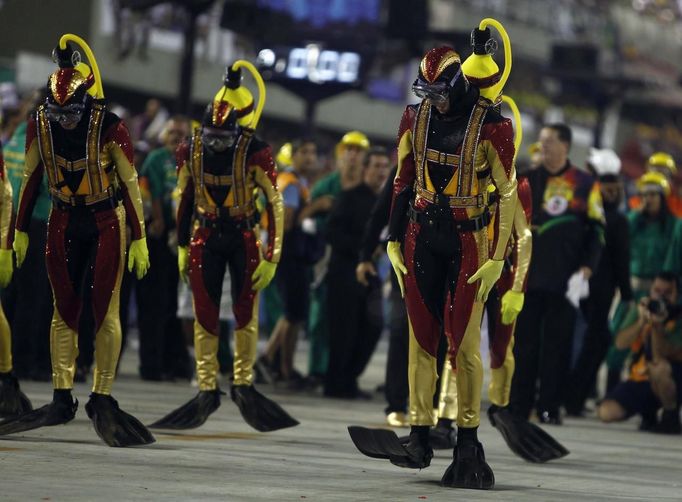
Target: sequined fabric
{"type": "Point", "coordinates": [437, 60]}
{"type": "Point", "coordinates": [64, 83]}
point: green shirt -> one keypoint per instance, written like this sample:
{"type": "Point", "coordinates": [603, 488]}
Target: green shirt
{"type": "Point", "coordinates": [329, 185]}
{"type": "Point", "coordinates": [14, 153]}
{"type": "Point", "coordinates": [159, 170]}
{"type": "Point", "coordinates": [673, 259]}
{"type": "Point", "coordinates": [672, 331]}
{"type": "Point", "coordinates": [649, 244]}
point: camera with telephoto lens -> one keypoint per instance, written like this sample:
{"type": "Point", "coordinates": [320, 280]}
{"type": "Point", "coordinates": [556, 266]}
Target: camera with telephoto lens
{"type": "Point", "coordinates": [657, 307]}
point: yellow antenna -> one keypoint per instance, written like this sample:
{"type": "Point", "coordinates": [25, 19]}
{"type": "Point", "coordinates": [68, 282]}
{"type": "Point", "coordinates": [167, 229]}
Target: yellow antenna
{"type": "Point", "coordinates": [70, 37]}
{"type": "Point", "coordinates": [518, 129]}
{"type": "Point", "coordinates": [488, 21]}
{"type": "Point", "coordinates": [261, 89]}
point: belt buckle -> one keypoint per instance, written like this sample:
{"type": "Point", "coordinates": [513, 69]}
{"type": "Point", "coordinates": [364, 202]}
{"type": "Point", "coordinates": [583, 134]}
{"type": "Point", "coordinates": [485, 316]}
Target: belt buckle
{"type": "Point", "coordinates": [442, 158]}
{"type": "Point", "coordinates": [441, 199]}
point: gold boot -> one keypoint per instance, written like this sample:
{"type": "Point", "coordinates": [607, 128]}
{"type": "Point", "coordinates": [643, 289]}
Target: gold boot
{"type": "Point", "coordinates": [397, 419]}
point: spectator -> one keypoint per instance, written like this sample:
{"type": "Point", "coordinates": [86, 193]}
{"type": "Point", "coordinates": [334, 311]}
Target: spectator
{"type": "Point", "coordinates": [535, 152]}
{"type": "Point", "coordinates": [163, 354]}
{"type": "Point", "coordinates": [350, 153]}
{"type": "Point", "coordinates": [651, 229]}
{"type": "Point", "coordinates": [395, 389]}
{"type": "Point", "coordinates": [664, 164]}
{"type": "Point", "coordinates": [147, 126]}
{"type": "Point", "coordinates": [567, 224]}
{"type": "Point", "coordinates": [293, 272]}
{"type": "Point", "coordinates": [653, 332]}
{"type": "Point", "coordinates": [613, 272]}
{"type": "Point", "coordinates": [651, 235]}
{"type": "Point", "coordinates": [355, 316]}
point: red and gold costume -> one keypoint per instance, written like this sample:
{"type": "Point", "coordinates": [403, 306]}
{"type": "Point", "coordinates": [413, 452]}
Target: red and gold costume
{"type": "Point", "coordinates": [456, 157]}
{"type": "Point", "coordinates": [500, 330]}
{"type": "Point", "coordinates": [451, 148]}
{"type": "Point", "coordinates": [12, 401]}
{"type": "Point", "coordinates": [513, 278]}
{"type": "Point", "coordinates": [86, 153]}
{"type": "Point", "coordinates": [218, 188]}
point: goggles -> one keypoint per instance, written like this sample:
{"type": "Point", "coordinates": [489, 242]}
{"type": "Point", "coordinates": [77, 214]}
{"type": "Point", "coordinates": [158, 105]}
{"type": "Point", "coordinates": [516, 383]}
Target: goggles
{"type": "Point", "coordinates": [64, 114]}
{"type": "Point", "coordinates": [217, 139]}
{"type": "Point", "coordinates": [437, 92]}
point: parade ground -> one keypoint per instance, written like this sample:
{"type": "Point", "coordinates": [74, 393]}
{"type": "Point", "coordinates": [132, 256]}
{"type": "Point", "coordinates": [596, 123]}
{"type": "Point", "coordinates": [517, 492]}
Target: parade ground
{"type": "Point", "coordinates": [226, 460]}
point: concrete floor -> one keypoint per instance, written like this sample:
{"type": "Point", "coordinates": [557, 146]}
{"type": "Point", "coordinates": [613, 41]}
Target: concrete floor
{"type": "Point", "coordinates": [226, 460]}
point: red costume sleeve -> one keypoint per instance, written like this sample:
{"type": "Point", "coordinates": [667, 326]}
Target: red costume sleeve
{"type": "Point", "coordinates": [117, 140]}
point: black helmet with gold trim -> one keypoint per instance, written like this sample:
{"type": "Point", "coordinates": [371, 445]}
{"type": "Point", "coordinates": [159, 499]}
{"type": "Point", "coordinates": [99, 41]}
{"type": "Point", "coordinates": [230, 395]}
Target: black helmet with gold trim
{"type": "Point", "coordinates": [440, 77]}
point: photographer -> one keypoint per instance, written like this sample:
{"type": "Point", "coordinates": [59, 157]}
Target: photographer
{"type": "Point", "coordinates": [653, 333]}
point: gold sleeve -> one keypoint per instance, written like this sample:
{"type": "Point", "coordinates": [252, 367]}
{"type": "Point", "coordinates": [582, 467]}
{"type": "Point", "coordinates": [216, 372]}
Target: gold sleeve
{"type": "Point", "coordinates": [5, 212]}
{"type": "Point", "coordinates": [132, 200]}
{"type": "Point", "coordinates": [500, 156]}
{"type": "Point", "coordinates": [275, 208]}
{"type": "Point", "coordinates": [524, 248]}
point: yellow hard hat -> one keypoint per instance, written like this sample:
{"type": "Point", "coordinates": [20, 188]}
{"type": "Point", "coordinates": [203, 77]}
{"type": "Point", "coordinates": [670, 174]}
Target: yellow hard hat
{"type": "Point", "coordinates": [662, 159]}
{"type": "Point", "coordinates": [283, 157]}
{"type": "Point", "coordinates": [534, 148]}
{"type": "Point", "coordinates": [355, 138]}
{"type": "Point", "coordinates": [653, 181]}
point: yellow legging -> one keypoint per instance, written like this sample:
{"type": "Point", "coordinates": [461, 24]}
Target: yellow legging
{"type": "Point", "coordinates": [5, 344]}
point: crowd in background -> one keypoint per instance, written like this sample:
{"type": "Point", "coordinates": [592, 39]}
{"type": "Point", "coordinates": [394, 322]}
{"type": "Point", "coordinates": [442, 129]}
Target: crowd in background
{"type": "Point", "coordinates": [329, 285]}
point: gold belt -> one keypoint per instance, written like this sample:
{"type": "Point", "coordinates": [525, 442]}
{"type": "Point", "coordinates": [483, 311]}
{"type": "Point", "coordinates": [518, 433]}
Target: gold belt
{"type": "Point", "coordinates": [446, 159]}
{"type": "Point", "coordinates": [213, 180]}
{"type": "Point", "coordinates": [71, 166]}
{"type": "Point", "coordinates": [451, 200]}
{"type": "Point", "coordinates": [245, 210]}
{"type": "Point", "coordinates": [79, 200]}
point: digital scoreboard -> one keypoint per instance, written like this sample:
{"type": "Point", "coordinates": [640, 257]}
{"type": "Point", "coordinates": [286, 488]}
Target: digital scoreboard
{"type": "Point", "coordinates": [311, 63]}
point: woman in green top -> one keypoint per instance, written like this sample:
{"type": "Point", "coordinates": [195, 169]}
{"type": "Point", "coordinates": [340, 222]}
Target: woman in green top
{"type": "Point", "coordinates": [651, 232]}
{"type": "Point", "coordinates": [653, 248]}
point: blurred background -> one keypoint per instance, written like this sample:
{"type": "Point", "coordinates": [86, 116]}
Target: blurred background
{"type": "Point", "coordinates": [611, 69]}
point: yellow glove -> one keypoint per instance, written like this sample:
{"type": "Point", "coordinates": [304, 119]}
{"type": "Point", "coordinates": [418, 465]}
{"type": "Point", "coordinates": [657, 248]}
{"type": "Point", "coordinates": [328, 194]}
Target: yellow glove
{"type": "Point", "coordinates": [6, 267]}
{"type": "Point", "coordinates": [20, 246]}
{"type": "Point", "coordinates": [512, 304]}
{"type": "Point", "coordinates": [489, 273]}
{"type": "Point", "coordinates": [396, 257]}
{"type": "Point", "coordinates": [138, 257]}
{"type": "Point", "coordinates": [183, 263]}
{"type": "Point", "coordinates": [263, 274]}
